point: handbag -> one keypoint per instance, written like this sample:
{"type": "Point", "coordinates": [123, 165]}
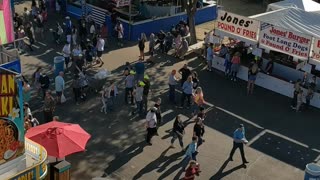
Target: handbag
{"type": "Point", "coordinates": [63, 98]}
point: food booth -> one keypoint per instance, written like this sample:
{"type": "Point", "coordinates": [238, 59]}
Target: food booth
{"type": "Point", "coordinates": [20, 158]}
{"type": "Point", "coordinates": [289, 49]}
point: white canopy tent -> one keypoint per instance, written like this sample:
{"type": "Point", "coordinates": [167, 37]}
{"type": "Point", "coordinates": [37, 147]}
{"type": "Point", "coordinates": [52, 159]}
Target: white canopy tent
{"type": "Point", "coordinates": [306, 5]}
{"type": "Point", "coordinates": [293, 19]}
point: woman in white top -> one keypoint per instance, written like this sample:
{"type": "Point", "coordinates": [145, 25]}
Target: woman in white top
{"type": "Point", "coordinates": [66, 51]}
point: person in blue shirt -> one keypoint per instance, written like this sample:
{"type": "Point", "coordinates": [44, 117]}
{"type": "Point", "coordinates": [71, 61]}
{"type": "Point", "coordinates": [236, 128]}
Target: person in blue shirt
{"type": "Point", "coordinates": [139, 67]}
{"type": "Point", "coordinates": [191, 152]}
{"type": "Point", "coordinates": [238, 140]}
{"type": "Point", "coordinates": [187, 88]}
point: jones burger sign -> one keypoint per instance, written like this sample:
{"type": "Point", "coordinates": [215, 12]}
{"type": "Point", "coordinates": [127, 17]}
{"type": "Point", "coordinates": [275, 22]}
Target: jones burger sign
{"type": "Point", "coordinates": [285, 41]}
{"type": "Point", "coordinates": [316, 49]}
{"type": "Point", "coordinates": [238, 25]}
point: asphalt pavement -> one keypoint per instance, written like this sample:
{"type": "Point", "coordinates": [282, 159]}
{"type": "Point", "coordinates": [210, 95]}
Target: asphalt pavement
{"type": "Point", "coordinates": [281, 141]}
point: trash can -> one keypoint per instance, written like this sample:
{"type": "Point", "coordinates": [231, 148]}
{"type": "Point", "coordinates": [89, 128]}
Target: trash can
{"type": "Point", "coordinates": [58, 64]}
{"type": "Point", "coordinates": [312, 172]}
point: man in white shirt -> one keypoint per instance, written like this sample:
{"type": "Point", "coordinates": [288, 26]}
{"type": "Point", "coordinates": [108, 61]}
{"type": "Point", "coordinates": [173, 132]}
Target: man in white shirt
{"type": "Point", "coordinates": [66, 51]}
{"type": "Point", "coordinates": [120, 31]}
{"type": "Point", "coordinates": [100, 49]}
{"type": "Point", "coordinates": [151, 124]}
{"type": "Point", "coordinates": [59, 86]}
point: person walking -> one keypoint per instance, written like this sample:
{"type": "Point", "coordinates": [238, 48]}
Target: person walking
{"type": "Point", "coordinates": [48, 107]}
{"type": "Point", "coordinates": [299, 100]}
{"type": "Point", "coordinates": [238, 140]}
{"type": "Point", "coordinates": [173, 81]}
{"type": "Point", "coordinates": [146, 90]}
{"type": "Point", "coordinates": [59, 86]}
{"type": "Point", "coordinates": [198, 131]}
{"type": "Point", "coordinates": [138, 96]}
{"type": "Point", "coordinates": [66, 51]}
{"type": "Point", "coordinates": [185, 73]}
{"type": "Point", "coordinates": [45, 83]}
{"type": "Point", "coordinates": [151, 125]}
{"type": "Point", "coordinates": [195, 80]}
{"type": "Point", "coordinates": [100, 49]}
{"type": "Point", "coordinates": [183, 49]}
{"type": "Point", "coordinates": [252, 76]}
{"type": "Point", "coordinates": [74, 35]}
{"type": "Point", "coordinates": [209, 57]}
{"type": "Point", "coordinates": [141, 45]}
{"type": "Point", "coordinates": [152, 43]}
{"type": "Point", "coordinates": [192, 170]}
{"type": "Point", "coordinates": [227, 64]}
{"type": "Point", "coordinates": [297, 87]}
{"type": "Point", "coordinates": [235, 66]}
{"type": "Point", "coordinates": [158, 112]}
{"type": "Point", "coordinates": [36, 80]}
{"type": "Point", "coordinates": [198, 100]}
{"type": "Point", "coordinates": [112, 94]}
{"type": "Point", "coordinates": [76, 88]}
{"type": "Point", "coordinates": [129, 83]}
{"type": "Point", "coordinates": [140, 68]}
{"type": "Point", "coordinates": [177, 42]}
{"type": "Point", "coordinates": [178, 132]}
{"type": "Point", "coordinates": [187, 92]}
{"type": "Point", "coordinates": [191, 152]}
{"type": "Point", "coordinates": [120, 32]}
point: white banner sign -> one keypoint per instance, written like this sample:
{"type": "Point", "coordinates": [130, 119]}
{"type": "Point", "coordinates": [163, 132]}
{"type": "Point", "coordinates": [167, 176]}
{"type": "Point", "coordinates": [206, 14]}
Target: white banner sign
{"type": "Point", "coordinates": [121, 3]}
{"type": "Point", "coordinates": [316, 49]}
{"type": "Point", "coordinates": [285, 41]}
{"type": "Point", "coordinates": [238, 25]}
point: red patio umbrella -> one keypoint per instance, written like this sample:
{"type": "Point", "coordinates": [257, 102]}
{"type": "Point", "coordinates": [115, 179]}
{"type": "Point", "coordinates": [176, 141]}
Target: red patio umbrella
{"type": "Point", "coordinates": [60, 139]}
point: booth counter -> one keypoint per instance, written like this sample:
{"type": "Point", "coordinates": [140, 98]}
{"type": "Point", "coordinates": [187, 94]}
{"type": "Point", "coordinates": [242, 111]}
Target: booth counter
{"type": "Point", "coordinates": [267, 81]}
{"type": "Point", "coordinates": [34, 162]}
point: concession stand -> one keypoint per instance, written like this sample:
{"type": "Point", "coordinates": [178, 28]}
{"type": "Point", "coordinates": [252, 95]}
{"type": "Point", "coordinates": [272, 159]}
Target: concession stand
{"type": "Point", "coordinates": [20, 158]}
{"type": "Point", "coordinates": [286, 36]}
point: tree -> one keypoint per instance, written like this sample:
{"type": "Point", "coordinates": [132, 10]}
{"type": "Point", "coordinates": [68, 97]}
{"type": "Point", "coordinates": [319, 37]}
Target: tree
{"type": "Point", "coordinates": [191, 8]}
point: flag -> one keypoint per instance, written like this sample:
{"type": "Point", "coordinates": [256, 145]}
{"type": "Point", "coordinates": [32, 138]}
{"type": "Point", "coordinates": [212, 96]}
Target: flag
{"type": "Point", "coordinates": [6, 27]}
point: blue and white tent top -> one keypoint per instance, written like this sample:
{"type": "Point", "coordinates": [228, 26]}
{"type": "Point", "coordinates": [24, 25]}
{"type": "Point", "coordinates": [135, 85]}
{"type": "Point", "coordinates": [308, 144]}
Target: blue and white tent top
{"type": "Point", "coordinates": [306, 5]}
{"type": "Point", "coordinates": [293, 19]}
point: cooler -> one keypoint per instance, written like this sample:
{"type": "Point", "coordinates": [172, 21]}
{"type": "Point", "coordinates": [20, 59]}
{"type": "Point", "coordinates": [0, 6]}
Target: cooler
{"type": "Point", "coordinates": [58, 64]}
{"type": "Point", "coordinates": [312, 172]}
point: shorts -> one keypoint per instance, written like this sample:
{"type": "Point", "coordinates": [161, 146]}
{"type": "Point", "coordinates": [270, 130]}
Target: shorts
{"type": "Point", "coordinates": [99, 53]}
{"type": "Point", "coordinates": [252, 77]}
{"type": "Point", "coordinates": [59, 93]}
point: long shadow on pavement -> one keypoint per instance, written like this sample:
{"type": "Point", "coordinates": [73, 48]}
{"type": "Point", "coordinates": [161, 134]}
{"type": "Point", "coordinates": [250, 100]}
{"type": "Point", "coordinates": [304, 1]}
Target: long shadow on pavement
{"type": "Point", "coordinates": [220, 174]}
{"type": "Point", "coordinates": [123, 158]}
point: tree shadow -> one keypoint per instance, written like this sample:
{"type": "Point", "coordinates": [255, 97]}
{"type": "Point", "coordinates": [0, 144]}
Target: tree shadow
{"type": "Point", "coordinates": [220, 174]}
{"type": "Point", "coordinates": [123, 158]}
{"type": "Point", "coordinates": [155, 164]}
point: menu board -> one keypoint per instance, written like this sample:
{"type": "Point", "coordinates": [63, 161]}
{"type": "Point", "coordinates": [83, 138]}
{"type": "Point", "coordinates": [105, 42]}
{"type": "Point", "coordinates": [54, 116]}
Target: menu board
{"type": "Point", "coordinates": [11, 117]}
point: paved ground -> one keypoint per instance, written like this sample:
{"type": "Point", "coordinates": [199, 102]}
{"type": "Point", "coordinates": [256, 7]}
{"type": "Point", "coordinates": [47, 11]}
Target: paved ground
{"type": "Point", "coordinates": [281, 141]}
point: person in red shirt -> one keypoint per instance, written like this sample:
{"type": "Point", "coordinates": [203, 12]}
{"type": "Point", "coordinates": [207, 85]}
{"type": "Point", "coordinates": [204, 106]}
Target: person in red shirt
{"type": "Point", "coordinates": [192, 170]}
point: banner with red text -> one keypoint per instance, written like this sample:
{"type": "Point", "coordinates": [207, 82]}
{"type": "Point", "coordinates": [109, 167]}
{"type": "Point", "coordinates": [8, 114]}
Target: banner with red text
{"type": "Point", "coordinates": [238, 25]}
{"type": "Point", "coordinates": [285, 41]}
{"type": "Point", "coordinates": [316, 49]}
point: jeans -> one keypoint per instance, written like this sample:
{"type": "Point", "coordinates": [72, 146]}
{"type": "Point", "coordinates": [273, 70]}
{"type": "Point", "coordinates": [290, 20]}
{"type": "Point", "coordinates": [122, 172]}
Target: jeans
{"type": "Point", "coordinates": [228, 68]}
{"type": "Point", "coordinates": [183, 98]}
{"type": "Point", "coordinates": [145, 102]}
{"type": "Point", "coordinates": [235, 147]}
{"type": "Point", "coordinates": [111, 101]}
{"type": "Point", "coordinates": [139, 107]}
{"type": "Point", "coordinates": [128, 90]}
{"type": "Point", "coordinates": [294, 100]}
{"type": "Point", "coordinates": [175, 136]}
{"type": "Point", "coordinates": [172, 93]}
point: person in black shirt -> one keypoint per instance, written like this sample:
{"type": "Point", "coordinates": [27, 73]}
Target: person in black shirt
{"type": "Point", "coordinates": [177, 132]}
{"type": "Point", "coordinates": [45, 82]}
{"type": "Point", "coordinates": [158, 112]}
{"type": "Point", "coordinates": [195, 80]}
{"type": "Point", "coordinates": [185, 73]}
{"type": "Point", "coordinates": [201, 114]}
{"type": "Point", "coordinates": [198, 131]}
{"type": "Point", "coordinates": [146, 90]}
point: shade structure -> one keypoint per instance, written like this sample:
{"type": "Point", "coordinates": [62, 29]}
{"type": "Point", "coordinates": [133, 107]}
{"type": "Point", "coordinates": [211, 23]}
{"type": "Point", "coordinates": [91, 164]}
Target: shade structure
{"type": "Point", "coordinates": [60, 139]}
